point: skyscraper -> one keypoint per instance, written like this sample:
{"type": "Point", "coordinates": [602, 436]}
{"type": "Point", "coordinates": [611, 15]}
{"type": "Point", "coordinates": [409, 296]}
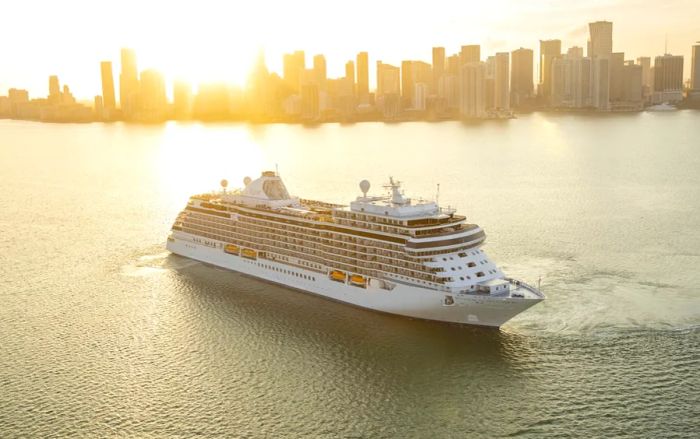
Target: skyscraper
{"type": "Point", "coordinates": [363, 78]}
{"type": "Point", "coordinates": [350, 71]}
{"type": "Point", "coordinates": [600, 42]}
{"type": "Point", "coordinates": [320, 71]}
{"type": "Point", "coordinates": [54, 90]}
{"type": "Point", "coordinates": [617, 85]}
{"type": "Point", "coordinates": [501, 78]}
{"type": "Point", "coordinates": [153, 101]}
{"type": "Point", "coordinates": [182, 100]}
{"type": "Point", "coordinates": [471, 90]}
{"type": "Point", "coordinates": [438, 70]}
{"type": "Point", "coordinates": [108, 98]}
{"type": "Point", "coordinates": [668, 78]}
{"type": "Point", "coordinates": [407, 83]}
{"type": "Point", "coordinates": [521, 82]}
{"type": "Point", "coordinates": [647, 81]}
{"type": "Point", "coordinates": [294, 65]}
{"type": "Point", "coordinates": [548, 50]}
{"type": "Point", "coordinates": [128, 83]}
{"type": "Point", "coordinates": [695, 68]}
{"type": "Point", "coordinates": [470, 53]}
{"type": "Point", "coordinates": [310, 97]}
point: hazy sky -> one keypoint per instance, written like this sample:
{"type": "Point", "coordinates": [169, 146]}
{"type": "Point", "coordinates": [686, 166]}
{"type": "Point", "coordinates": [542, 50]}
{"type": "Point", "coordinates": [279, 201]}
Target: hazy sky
{"type": "Point", "coordinates": [217, 40]}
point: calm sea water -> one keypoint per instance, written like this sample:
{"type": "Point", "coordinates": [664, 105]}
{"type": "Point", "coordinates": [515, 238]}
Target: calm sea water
{"type": "Point", "coordinates": [103, 333]}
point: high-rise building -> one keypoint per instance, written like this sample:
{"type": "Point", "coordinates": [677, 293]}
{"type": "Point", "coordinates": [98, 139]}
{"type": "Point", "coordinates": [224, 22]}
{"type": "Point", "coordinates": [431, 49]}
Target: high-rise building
{"type": "Point", "coordinates": [108, 99]}
{"type": "Point", "coordinates": [521, 82]}
{"type": "Point", "coordinates": [293, 66]}
{"type": "Point", "coordinates": [153, 103]}
{"type": "Point", "coordinates": [438, 70]}
{"type": "Point", "coordinates": [471, 90]}
{"type": "Point", "coordinates": [388, 79]}
{"type": "Point", "coordinates": [647, 81]}
{"type": "Point", "coordinates": [617, 85]}
{"type": "Point", "coordinates": [420, 93]}
{"type": "Point", "coordinates": [182, 100]}
{"type": "Point", "coordinates": [362, 64]}
{"type": "Point", "coordinates": [469, 54]}
{"type": "Point", "coordinates": [549, 49]}
{"type": "Point", "coordinates": [310, 96]}
{"type": "Point", "coordinates": [128, 83]}
{"type": "Point", "coordinates": [350, 73]}
{"type": "Point", "coordinates": [407, 83]}
{"type": "Point", "coordinates": [501, 77]}
{"type": "Point", "coordinates": [600, 67]}
{"type": "Point", "coordinates": [668, 78]}
{"type": "Point", "coordinates": [54, 90]}
{"type": "Point", "coordinates": [600, 42]}
{"type": "Point", "coordinates": [632, 85]}
{"type": "Point", "coordinates": [695, 68]}
{"type": "Point", "coordinates": [320, 71]}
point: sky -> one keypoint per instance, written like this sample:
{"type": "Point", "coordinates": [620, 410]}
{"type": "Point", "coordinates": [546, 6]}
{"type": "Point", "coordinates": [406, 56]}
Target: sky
{"type": "Point", "coordinates": [213, 40]}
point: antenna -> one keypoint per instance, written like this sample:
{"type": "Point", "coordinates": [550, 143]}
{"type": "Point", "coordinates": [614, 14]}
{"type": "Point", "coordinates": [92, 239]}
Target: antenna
{"type": "Point", "coordinates": [437, 195]}
{"type": "Point", "coordinates": [277, 170]}
{"type": "Point", "coordinates": [666, 44]}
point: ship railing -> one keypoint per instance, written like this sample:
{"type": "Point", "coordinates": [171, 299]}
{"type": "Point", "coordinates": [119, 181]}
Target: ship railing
{"type": "Point", "coordinates": [519, 283]}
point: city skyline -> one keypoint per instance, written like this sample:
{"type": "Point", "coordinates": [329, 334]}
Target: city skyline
{"type": "Point", "coordinates": [195, 45]}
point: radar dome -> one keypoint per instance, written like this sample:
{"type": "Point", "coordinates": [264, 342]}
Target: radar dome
{"type": "Point", "coordinates": [224, 183]}
{"type": "Point", "coordinates": [246, 181]}
{"type": "Point", "coordinates": [364, 186]}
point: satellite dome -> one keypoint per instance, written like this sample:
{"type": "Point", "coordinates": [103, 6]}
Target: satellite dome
{"type": "Point", "coordinates": [246, 181]}
{"type": "Point", "coordinates": [224, 183]}
{"type": "Point", "coordinates": [364, 186]}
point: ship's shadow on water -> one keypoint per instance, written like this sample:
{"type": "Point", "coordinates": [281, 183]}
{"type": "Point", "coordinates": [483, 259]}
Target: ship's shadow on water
{"type": "Point", "coordinates": [263, 309]}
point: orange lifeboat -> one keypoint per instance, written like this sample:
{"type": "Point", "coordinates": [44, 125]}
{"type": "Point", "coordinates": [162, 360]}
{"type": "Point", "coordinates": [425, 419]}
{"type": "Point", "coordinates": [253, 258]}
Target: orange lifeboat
{"type": "Point", "coordinates": [358, 280]}
{"type": "Point", "coordinates": [337, 276]}
{"type": "Point", "coordinates": [231, 249]}
{"type": "Point", "coordinates": [249, 253]}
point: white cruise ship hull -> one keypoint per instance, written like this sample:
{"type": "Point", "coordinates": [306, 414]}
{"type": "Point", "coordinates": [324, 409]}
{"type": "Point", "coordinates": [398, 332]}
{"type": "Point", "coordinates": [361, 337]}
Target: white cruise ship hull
{"type": "Point", "coordinates": [404, 299]}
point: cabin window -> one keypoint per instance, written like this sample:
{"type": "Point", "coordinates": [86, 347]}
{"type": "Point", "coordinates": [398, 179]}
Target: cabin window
{"type": "Point", "coordinates": [480, 274]}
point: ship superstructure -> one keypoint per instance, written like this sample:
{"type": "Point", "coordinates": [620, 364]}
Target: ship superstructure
{"type": "Point", "coordinates": [389, 253]}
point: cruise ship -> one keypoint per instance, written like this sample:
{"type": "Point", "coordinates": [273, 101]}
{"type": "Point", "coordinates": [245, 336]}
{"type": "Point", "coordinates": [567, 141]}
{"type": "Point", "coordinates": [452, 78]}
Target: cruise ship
{"type": "Point", "coordinates": [388, 253]}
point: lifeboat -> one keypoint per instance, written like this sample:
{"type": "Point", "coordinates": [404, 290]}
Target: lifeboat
{"type": "Point", "coordinates": [249, 253]}
{"type": "Point", "coordinates": [231, 249]}
{"type": "Point", "coordinates": [337, 276]}
{"type": "Point", "coordinates": [358, 280]}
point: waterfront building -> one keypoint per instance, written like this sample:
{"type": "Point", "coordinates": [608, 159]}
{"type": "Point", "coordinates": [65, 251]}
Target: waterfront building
{"type": "Point", "coordinates": [521, 82]}
{"type": "Point", "coordinates": [407, 84]}
{"type": "Point", "coordinates": [362, 63]}
{"type": "Point", "coordinates": [549, 49]}
{"type": "Point", "coordinates": [320, 71]}
{"type": "Point", "coordinates": [54, 90]}
{"type": "Point", "coordinates": [310, 96]}
{"type": "Point", "coordinates": [182, 100]}
{"type": "Point", "coordinates": [647, 78]}
{"type": "Point", "coordinates": [350, 74]}
{"type": "Point", "coordinates": [469, 54]}
{"type": "Point", "coordinates": [128, 84]}
{"type": "Point", "coordinates": [617, 85]}
{"type": "Point", "coordinates": [438, 70]}
{"type": "Point", "coordinates": [695, 68]}
{"type": "Point", "coordinates": [420, 94]}
{"type": "Point", "coordinates": [293, 66]}
{"type": "Point", "coordinates": [600, 42]}
{"type": "Point", "coordinates": [472, 103]}
{"type": "Point", "coordinates": [502, 81]}
{"type": "Point", "coordinates": [152, 97]}
{"type": "Point", "coordinates": [388, 90]}
{"type": "Point", "coordinates": [108, 98]}
{"type": "Point", "coordinates": [668, 79]}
